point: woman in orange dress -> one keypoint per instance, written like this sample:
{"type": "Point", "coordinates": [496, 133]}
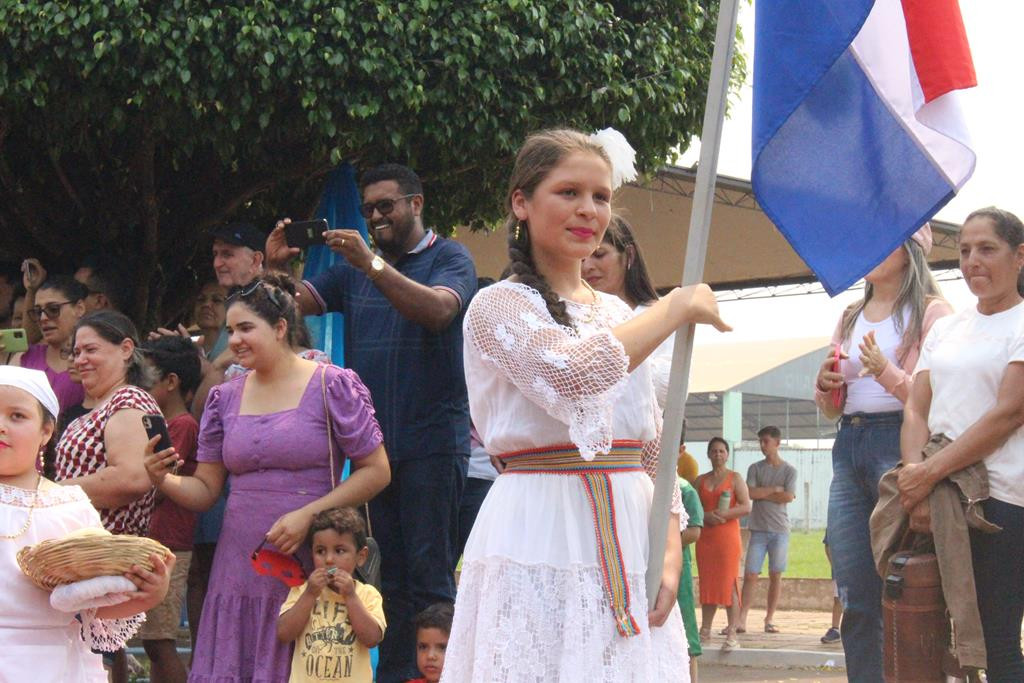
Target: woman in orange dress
{"type": "Point", "coordinates": [719, 547]}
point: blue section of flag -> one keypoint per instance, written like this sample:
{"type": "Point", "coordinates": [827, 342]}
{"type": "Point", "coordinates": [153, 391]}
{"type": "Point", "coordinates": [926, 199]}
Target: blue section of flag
{"type": "Point", "coordinates": [833, 167]}
{"type": "Point", "coordinates": [340, 206]}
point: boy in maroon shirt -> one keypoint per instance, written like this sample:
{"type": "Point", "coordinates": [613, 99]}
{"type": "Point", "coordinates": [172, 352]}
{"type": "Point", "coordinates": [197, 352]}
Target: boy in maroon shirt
{"type": "Point", "coordinates": [175, 362]}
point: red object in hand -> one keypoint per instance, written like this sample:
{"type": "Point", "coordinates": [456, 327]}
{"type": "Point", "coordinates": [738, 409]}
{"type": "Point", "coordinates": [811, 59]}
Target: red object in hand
{"type": "Point", "coordinates": [837, 394]}
{"type": "Point", "coordinates": [285, 568]}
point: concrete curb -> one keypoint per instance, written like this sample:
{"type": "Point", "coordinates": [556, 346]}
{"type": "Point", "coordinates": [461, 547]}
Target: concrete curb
{"type": "Point", "coordinates": [774, 659]}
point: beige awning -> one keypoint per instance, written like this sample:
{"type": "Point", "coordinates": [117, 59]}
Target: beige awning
{"type": "Point", "coordinates": [745, 248]}
{"type": "Point", "coordinates": [725, 367]}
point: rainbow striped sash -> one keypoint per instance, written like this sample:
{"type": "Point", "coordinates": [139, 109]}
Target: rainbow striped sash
{"type": "Point", "coordinates": [566, 460]}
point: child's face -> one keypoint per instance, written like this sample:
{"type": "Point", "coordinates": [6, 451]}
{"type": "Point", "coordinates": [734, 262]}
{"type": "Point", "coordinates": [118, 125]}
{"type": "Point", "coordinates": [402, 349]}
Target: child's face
{"type": "Point", "coordinates": [331, 549]}
{"type": "Point", "coordinates": [431, 644]}
{"type": "Point", "coordinates": [22, 432]}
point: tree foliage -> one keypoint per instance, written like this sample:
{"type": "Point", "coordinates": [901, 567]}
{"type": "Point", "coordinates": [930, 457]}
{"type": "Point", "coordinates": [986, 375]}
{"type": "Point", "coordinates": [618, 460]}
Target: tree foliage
{"type": "Point", "coordinates": [134, 126]}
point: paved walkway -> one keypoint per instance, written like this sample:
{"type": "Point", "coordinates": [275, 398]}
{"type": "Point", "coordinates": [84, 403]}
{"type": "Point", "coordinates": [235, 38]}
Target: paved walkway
{"type": "Point", "coordinates": [798, 631]}
{"type": "Point", "coordinates": [797, 645]}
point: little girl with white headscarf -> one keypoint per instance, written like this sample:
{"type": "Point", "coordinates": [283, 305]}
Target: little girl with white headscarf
{"type": "Point", "coordinates": [37, 641]}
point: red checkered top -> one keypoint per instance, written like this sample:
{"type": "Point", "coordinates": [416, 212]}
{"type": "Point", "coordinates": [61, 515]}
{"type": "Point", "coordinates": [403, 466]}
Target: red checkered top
{"type": "Point", "coordinates": [82, 451]}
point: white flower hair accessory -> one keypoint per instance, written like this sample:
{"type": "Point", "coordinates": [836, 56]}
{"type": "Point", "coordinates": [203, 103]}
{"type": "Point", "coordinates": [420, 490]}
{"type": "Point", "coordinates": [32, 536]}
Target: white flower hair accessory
{"type": "Point", "coordinates": [621, 154]}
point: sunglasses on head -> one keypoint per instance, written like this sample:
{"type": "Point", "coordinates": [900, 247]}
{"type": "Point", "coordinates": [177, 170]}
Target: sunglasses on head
{"type": "Point", "coordinates": [52, 310]}
{"type": "Point", "coordinates": [382, 206]}
{"type": "Point", "coordinates": [273, 293]}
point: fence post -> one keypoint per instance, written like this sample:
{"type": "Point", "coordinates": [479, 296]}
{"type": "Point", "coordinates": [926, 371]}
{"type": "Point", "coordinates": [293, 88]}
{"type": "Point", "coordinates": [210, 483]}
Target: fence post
{"type": "Point", "coordinates": [807, 506]}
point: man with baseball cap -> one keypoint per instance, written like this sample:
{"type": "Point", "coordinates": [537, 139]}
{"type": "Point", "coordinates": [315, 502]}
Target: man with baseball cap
{"type": "Point", "coordinates": [237, 254]}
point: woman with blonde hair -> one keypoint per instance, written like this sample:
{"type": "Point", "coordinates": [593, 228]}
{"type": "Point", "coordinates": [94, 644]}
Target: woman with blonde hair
{"type": "Point", "coordinates": [878, 339]}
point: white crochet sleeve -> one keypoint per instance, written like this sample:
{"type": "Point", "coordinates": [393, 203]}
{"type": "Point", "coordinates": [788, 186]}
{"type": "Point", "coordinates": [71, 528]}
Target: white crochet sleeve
{"type": "Point", "coordinates": [574, 377]}
{"type": "Point", "coordinates": [109, 635]}
{"type": "Point", "coordinates": [649, 458]}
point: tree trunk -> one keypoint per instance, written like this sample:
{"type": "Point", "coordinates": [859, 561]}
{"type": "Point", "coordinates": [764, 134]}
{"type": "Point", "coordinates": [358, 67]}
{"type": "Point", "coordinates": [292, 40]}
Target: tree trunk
{"type": "Point", "coordinates": [147, 264]}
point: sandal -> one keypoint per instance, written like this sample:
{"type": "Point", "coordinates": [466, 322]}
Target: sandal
{"type": "Point", "coordinates": [705, 635]}
{"type": "Point", "coordinates": [725, 631]}
{"type": "Point", "coordinates": [770, 628]}
{"type": "Point", "coordinates": [730, 644]}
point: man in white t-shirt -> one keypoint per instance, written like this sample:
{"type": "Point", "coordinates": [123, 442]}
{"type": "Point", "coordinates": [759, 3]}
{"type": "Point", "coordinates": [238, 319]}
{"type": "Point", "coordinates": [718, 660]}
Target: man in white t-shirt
{"type": "Point", "coordinates": [772, 484]}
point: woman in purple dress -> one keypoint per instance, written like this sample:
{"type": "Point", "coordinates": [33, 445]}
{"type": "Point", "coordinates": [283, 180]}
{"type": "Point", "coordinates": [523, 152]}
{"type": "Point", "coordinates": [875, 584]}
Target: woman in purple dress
{"type": "Point", "coordinates": [268, 430]}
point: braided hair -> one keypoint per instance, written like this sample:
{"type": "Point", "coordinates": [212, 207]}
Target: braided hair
{"type": "Point", "coordinates": [541, 153]}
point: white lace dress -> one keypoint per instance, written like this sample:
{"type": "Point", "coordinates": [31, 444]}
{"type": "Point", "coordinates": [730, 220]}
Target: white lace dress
{"type": "Point", "coordinates": [38, 643]}
{"type": "Point", "coordinates": [531, 603]}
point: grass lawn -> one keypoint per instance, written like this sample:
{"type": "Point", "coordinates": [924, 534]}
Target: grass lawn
{"type": "Point", "coordinates": [806, 557]}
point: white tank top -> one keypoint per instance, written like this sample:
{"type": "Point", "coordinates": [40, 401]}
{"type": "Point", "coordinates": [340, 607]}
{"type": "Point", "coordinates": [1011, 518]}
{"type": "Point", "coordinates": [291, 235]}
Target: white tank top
{"type": "Point", "coordinates": [864, 394]}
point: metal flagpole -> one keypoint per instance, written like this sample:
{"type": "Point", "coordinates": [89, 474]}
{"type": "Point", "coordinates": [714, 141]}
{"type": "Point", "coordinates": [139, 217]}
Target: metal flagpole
{"type": "Point", "coordinates": [693, 272]}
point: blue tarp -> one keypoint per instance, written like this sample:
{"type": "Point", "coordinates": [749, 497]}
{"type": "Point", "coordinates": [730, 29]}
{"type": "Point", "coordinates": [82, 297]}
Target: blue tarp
{"type": "Point", "coordinates": [340, 206]}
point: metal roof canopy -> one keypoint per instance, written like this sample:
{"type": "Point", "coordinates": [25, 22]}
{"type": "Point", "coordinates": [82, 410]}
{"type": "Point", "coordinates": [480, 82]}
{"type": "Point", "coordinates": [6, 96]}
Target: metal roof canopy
{"type": "Point", "coordinates": [746, 248]}
{"type": "Point", "coordinates": [775, 378]}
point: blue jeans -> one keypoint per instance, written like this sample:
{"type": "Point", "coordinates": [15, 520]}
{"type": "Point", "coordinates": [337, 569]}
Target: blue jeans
{"type": "Point", "coordinates": [867, 446]}
{"type": "Point", "coordinates": [774, 544]}
{"type": "Point", "coordinates": [415, 521]}
{"type": "Point", "coordinates": [472, 498]}
{"type": "Point", "coordinates": [999, 578]}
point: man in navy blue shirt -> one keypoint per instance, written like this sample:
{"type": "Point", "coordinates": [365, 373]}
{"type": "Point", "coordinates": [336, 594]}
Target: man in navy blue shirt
{"type": "Point", "coordinates": [403, 308]}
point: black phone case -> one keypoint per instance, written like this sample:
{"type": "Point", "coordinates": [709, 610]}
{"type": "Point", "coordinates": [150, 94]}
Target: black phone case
{"type": "Point", "coordinates": [304, 234]}
{"type": "Point", "coordinates": [156, 426]}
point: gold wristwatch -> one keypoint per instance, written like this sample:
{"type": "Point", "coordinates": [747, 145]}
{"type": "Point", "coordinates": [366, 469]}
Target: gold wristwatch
{"type": "Point", "coordinates": [376, 268]}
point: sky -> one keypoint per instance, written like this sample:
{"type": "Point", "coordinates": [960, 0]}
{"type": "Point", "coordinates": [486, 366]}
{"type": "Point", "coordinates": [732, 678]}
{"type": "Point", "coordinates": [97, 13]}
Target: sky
{"type": "Point", "coordinates": [993, 111]}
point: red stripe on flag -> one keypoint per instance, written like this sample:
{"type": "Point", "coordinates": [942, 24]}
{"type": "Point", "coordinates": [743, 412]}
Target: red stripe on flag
{"type": "Point", "coordinates": [938, 44]}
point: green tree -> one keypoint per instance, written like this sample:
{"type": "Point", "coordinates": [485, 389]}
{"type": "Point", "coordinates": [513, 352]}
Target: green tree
{"type": "Point", "coordinates": [133, 126]}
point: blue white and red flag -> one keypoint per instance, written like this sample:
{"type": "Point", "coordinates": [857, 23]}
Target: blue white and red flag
{"type": "Point", "coordinates": [858, 137]}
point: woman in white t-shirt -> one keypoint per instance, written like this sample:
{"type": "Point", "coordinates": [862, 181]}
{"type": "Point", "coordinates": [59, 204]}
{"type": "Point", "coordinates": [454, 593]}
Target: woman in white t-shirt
{"type": "Point", "coordinates": [970, 387]}
{"type": "Point", "coordinates": [879, 339]}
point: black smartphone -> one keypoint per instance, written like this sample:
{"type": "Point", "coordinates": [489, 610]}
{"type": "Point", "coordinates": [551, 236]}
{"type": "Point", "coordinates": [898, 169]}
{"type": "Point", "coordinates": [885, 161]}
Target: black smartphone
{"type": "Point", "coordinates": [304, 234]}
{"type": "Point", "coordinates": [156, 425]}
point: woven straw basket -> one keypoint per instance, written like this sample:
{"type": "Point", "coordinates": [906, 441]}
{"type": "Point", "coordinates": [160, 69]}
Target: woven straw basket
{"type": "Point", "coordinates": [84, 556]}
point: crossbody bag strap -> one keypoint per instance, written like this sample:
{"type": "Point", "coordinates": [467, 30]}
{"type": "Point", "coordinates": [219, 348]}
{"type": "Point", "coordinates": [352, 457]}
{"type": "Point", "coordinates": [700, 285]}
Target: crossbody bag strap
{"type": "Point", "coordinates": [330, 445]}
{"type": "Point", "coordinates": [327, 418]}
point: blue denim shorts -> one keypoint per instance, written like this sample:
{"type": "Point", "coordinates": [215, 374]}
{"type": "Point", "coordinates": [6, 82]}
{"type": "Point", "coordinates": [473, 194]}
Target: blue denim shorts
{"type": "Point", "coordinates": [775, 544]}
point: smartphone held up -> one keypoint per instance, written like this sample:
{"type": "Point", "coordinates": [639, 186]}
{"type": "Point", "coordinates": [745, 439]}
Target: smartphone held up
{"type": "Point", "coordinates": [302, 234]}
{"type": "Point", "coordinates": [14, 340]}
{"type": "Point", "coordinates": [156, 425]}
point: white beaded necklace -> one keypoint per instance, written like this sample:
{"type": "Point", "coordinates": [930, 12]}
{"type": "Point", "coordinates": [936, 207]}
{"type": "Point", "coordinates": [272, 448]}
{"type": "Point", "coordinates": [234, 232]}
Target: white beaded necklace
{"type": "Point", "coordinates": [28, 520]}
{"type": "Point", "coordinates": [592, 315]}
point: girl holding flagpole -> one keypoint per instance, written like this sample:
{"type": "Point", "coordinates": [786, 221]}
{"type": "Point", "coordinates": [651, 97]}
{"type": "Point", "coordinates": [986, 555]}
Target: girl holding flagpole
{"type": "Point", "coordinates": [552, 584]}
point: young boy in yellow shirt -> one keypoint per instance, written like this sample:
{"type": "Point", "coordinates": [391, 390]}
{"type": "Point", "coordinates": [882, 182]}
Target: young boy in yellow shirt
{"type": "Point", "coordinates": [333, 618]}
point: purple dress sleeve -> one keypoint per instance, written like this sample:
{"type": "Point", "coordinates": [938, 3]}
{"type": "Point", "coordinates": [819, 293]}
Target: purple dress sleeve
{"type": "Point", "coordinates": [356, 431]}
{"type": "Point", "coordinates": [211, 432]}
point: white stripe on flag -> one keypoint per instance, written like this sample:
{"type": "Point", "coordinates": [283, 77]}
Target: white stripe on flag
{"type": "Point", "coordinates": [883, 51]}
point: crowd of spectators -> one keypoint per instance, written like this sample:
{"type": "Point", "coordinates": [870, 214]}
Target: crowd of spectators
{"type": "Point", "coordinates": [262, 425]}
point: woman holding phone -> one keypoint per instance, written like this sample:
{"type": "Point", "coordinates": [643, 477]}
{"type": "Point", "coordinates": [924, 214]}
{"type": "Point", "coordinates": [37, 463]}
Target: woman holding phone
{"type": "Point", "coordinates": [58, 304]}
{"type": "Point", "coordinates": [875, 346]}
{"type": "Point", "coordinates": [280, 431]}
{"type": "Point", "coordinates": [101, 451]}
